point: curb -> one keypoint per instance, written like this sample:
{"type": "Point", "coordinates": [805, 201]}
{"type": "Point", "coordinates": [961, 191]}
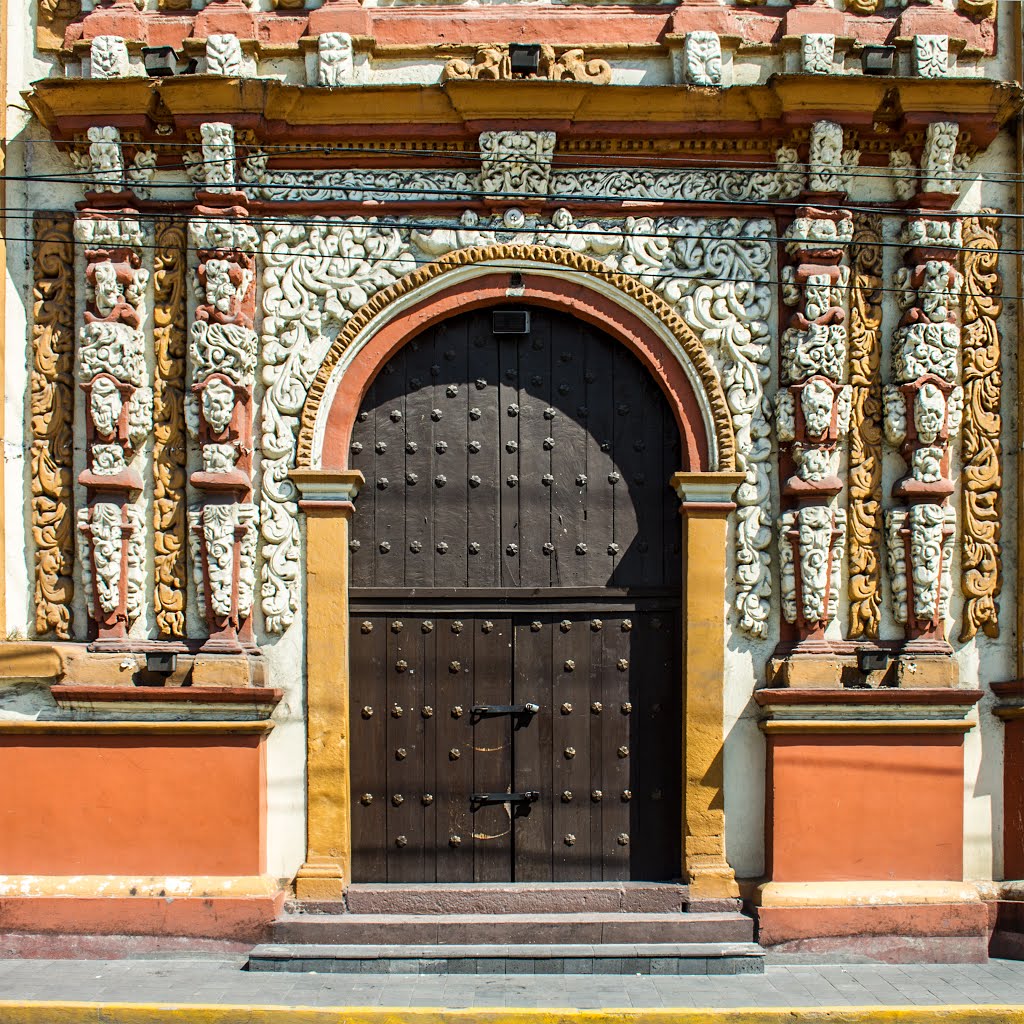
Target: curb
{"type": "Point", "coordinates": [31, 1012]}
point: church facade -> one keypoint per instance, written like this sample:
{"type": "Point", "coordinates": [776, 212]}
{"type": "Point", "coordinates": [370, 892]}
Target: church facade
{"type": "Point", "coordinates": [511, 445]}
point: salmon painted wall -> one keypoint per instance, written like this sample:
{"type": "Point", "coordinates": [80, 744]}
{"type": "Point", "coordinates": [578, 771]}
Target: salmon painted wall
{"type": "Point", "coordinates": [146, 805]}
{"type": "Point", "coordinates": [863, 808]}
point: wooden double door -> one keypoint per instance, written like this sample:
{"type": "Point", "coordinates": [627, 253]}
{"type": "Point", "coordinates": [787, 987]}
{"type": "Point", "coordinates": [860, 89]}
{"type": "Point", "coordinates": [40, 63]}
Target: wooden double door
{"type": "Point", "coordinates": [515, 682]}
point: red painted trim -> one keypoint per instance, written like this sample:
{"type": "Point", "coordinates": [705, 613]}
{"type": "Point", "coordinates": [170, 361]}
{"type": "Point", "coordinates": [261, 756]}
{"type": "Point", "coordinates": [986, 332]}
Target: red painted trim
{"type": "Point", "coordinates": [161, 694]}
{"type": "Point", "coordinates": [889, 695]}
{"type": "Point", "coordinates": [559, 293]}
{"type": "Point", "coordinates": [312, 505]}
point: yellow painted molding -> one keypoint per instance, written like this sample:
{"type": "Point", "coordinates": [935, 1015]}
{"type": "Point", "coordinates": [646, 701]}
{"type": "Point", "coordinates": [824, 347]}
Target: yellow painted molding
{"type": "Point", "coordinates": [141, 886]}
{"type": "Point", "coordinates": [31, 1012]}
{"type": "Point", "coordinates": [32, 727]}
{"type": "Point", "coordinates": [880, 727]}
{"type": "Point", "coordinates": [1009, 714]}
{"type": "Point", "coordinates": [32, 662]}
{"type": "Point", "coordinates": [863, 894]}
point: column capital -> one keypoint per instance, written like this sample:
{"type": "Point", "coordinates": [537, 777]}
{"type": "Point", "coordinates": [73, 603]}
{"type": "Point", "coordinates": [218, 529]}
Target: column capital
{"type": "Point", "coordinates": [327, 487]}
{"type": "Point", "coordinates": [711, 491]}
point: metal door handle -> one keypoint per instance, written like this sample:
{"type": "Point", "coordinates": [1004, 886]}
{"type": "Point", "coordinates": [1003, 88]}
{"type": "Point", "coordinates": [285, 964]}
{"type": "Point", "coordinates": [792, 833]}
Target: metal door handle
{"type": "Point", "coordinates": [505, 709]}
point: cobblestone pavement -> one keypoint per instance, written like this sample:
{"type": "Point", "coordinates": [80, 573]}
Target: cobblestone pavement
{"type": "Point", "coordinates": [222, 981]}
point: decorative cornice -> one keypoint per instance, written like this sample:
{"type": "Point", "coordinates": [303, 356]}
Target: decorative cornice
{"type": "Point", "coordinates": [283, 112]}
{"type": "Point", "coordinates": [981, 447]}
{"type": "Point", "coordinates": [324, 486]}
{"type": "Point", "coordinates": [535, 254]}
{"type": "Point", "coordinates": [708, 489]}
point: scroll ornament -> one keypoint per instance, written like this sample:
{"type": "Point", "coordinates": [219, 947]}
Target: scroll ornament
{"type": "Point", "coordinates": [864, 502]}
{"type": "Point", "coordinates": [52, 416]}
{"type": "Point", "coordinates": [491, 62]}
{"type": "Point", "coordinates": [170, 540]}
{"type": "Point", "coordinates": [702, 58]}
{"type": "Point", "coordinates": [714, 271]}
{"type": "Point", "coordinates": [516, 163]}
{"type": "Point", "coordinates": [980, 562]}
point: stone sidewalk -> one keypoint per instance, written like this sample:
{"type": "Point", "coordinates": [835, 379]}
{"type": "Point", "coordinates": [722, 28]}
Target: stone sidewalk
{"type": "Point", "coordinates": [222, 981]}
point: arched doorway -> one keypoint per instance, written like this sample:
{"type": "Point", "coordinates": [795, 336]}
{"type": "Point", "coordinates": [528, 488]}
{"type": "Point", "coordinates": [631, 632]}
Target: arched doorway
{"type": "Point", "coordinates": [516, 678]}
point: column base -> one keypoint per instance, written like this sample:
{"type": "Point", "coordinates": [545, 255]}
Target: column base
{"type": "Point", "coordinates": [320, 878]}
{"type": "Point", "coordinates": [712, 883]}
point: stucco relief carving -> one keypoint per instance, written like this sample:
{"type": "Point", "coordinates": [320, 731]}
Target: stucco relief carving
{"type": "Point", "coordinates": [113, 559]}
{"type": "Point", "coordinates": [903, 173]}
{"type": "Point", "coordinates": [170, 542]}
{"type": "Point", "coordinates": [516, 163]}
{"type": "Point", "coordinates": [214, 167]}
{"type": "Point", "coordinates": [52, 414]}
{"type": "Point", "coordinates": [919, 546]}
{"type": "Point", "coordinates": [224, 55]}
{"type": "Point", "coordinates": [817, 53]}
{"type": "Point", "coordinates": [711, 185]}
{"type": "Point", "coordinates": [938, 162]}
{"type": "Point", "coordinates": [306, 300]}
{"type": "Point", "coordinates": [702, 58]}
{"type": "Point", "coordinates": [810, 563]}
{"type": "Point", "coordinates": [334, 59]}
{"type": "Point", "coordinates": [108, 57]}
{"type": "Point", "coordinates": [982, 480]}
{"type": "Point", "coordinates": [491, 62]}
{"type": "Point", "coordinates": [220, 536]}
{"type": "Point", "coordinates": [931, 56]}
{"type": "Point", "coordinates": [830, 163]}
{"type": "Point", "coordinates": [102, 162]}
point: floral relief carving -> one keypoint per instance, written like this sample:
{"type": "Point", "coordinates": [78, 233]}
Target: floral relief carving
{"type": "Point", "coordinates": [817, 53]}
{"type": "Point", "coordinates": [102, 162]}
{"type": "Point", "coordinates": [334, 58]}
{"type": "Point", "coordinates": [491, 62]}
{"type": "Point", "coordinates": [702, 58]}
{"type": "Point", "coordinates": [221, 536]}
{"type": "Point", "coordinates": [169, 455]}
{"type": "Point", "coordinates": [931, 56]}
{"type": "Point", "coordinates": [52, 414]}
{"type": "Point", "coordinates": [830, 164]}
{"type": "Point", "coordinates": [919, 545]}
{"type": "Point", "coordinates": [224, 55]}
{"type": "Point", "coordinates": [864, 502]}
{"type": "Point", "coordinates": [938, 163]}
{"type": "Point", "coordinates": [980, 560]}
{"type": "Point", "coordinates": [810, 563]}
{"type": "Point", "coordinates": [108, 57]}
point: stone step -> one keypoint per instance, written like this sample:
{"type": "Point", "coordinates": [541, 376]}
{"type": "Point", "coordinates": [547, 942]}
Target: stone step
{"type": "Point", "coordinates": [661, 958]}
{"type": "Point", "coordinates": [505, 898]}
{"type": "Point", "coordinates": [520, 929]}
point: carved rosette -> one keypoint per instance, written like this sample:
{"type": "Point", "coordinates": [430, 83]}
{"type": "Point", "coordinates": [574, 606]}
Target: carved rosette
{"type": "Point", "coordinates": [923, 410]}
{"type": "Point", "coordinates": [52, 421]}
{"type": "Point", "coordinates": [222, 362]}
{"type": "Point", "coordinates": [118, 418]}
{"type": "Point", "coordinates": [980, 562]}
{"type": "Point", "coordinates": [170, 542]}
{"type": "Point", "coordinates": [864, 502]}
{"type": "Point", "coordinates": [813, 416]}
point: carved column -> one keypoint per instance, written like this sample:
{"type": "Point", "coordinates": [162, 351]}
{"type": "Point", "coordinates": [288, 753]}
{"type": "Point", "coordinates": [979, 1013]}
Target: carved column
{"type": "Point", "coordinates": [706, 503]}
{"type": "Point", "coordinates": [118, 417]}
{"type": "Point", "coordinates": [813, 405]}
{"type": "Point", "coordinates": [222, 357]}
{"type": "Point", "coordinates": [327, 503]}
{"type": "Point", "coordinates": [924, 405]}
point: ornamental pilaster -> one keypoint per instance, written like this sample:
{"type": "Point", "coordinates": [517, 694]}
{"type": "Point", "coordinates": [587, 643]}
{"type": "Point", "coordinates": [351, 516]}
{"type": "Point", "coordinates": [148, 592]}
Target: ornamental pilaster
{"type": "Point", "coordinates": [923, 406]}
{"type": "Point", "coordinates": [222, 366]}
{"type": "Point", "coordinates": [813, 403]}
{"type": "Point", "coordinates": [114, 378]}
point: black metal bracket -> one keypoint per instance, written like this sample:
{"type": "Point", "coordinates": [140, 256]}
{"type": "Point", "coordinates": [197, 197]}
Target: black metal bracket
{"type": "Point", "coordinates": [521, 802]}
{"type": "Point", "coordinates": [522, 713]}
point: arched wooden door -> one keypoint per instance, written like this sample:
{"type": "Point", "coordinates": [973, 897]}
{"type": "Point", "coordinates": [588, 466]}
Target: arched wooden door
{"type": "Point", "coordinates": [515, 605]}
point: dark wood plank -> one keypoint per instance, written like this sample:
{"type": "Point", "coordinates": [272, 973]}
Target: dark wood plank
{"type": "Point", "coordinates": [613, 691]}
{"type": "Point", "coordinates": [603, 475]}
{"type": "Point", "coordinates": [533, 746]}
{"type": "Point", "coordinates": [416, 483]}
{"type": "Point", "coordinates": [483, 513]}
{"type": "Point", "coordinates": [535, 410]}
{"type": "Point", "coordinates": [368, 728]}
{"type": "Point", "coordinates": [449, 455]}
{"type": "Point", "coordinates": [362, 562]}
{"type": "Point", "coordinates": [508, 460]}
{"type": "Point", "coordinates": [389, 473]}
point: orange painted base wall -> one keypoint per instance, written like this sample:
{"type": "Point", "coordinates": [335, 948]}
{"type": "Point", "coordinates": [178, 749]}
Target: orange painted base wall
{"type": "Point", "coordinates": [133, 805]}
{"type": "Point", "coordinates": [865, 808]}
{"type": "Point", "coordinates": [1013, 800]}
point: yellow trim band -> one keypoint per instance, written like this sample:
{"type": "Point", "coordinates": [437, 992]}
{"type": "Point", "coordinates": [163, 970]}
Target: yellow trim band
{"type": "Point", "coordinates": [154, 1013]}
{"type": "Point", "coordinates": [863, 894]}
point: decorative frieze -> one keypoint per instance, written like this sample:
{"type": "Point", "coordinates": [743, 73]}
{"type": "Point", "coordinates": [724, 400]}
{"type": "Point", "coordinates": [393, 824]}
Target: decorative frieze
{"type": "Point", "coordinates": [864, 501]}
{"type": "Point", "coordinates": [491, 62]}
{"type": "Point", "coordinates": [702, 58]}
{"type": "Point", "coordinates": [52, 404]}
{"type": "Point", "coordinates": [170, 542]}
{"type": "Point", "coordinates": [118, 419]}
{"type": "Point", "coordinates": [980, 561]}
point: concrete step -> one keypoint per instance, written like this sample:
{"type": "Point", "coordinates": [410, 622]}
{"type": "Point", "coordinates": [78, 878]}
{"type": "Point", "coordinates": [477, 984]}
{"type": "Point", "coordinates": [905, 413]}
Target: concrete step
{"type": "Point", "coordinates": [506, 898]}
{"type": "Point", "coordinates": [573, 958]}
{"type": "Point", "coordinates": [519, 929]}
